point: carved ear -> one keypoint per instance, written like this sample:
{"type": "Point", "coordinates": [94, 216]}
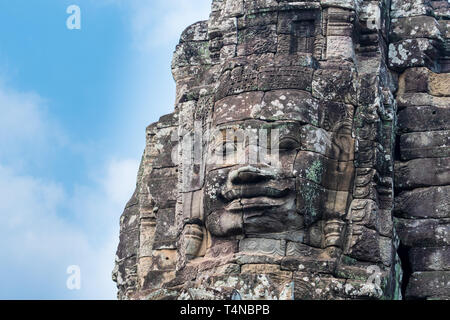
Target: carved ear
{"type": "Point", "coordinates": [224, 224]}
{"type": "Point", "coordinates": [193, 239]}
{"type": "Point", "coordinates": [343, 142]}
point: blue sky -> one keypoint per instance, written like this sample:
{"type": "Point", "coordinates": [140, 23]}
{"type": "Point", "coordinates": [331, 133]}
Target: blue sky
{"type": "Point", "coordinates": [74, 105]}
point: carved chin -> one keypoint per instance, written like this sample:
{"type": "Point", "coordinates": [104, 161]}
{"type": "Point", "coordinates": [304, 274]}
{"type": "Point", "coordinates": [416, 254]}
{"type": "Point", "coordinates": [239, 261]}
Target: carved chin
{"type": "Point", "coordinates": [225, 224]}
{"type": "Point", "coordinates": [273, 222]}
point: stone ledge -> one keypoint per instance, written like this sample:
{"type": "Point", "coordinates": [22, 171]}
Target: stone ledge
{"type": "Point", "coordinates": [428, 285]}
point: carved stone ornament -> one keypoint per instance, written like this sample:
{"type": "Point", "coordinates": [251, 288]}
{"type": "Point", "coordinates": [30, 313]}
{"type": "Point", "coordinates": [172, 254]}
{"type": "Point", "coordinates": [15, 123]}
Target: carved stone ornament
{"type": "Point", "coordinates": [307, 157]}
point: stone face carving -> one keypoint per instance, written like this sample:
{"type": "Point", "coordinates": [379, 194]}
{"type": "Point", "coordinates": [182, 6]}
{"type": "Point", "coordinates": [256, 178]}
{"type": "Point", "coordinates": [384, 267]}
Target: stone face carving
{"type": "Point", "coordinates": [306, 157]}
{"type": "Point", "coordinates": [422, 166]}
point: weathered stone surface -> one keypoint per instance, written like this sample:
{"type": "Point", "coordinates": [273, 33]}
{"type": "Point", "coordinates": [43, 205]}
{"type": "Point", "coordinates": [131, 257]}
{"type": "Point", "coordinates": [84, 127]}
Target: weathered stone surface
{"type": "Point", "coordinates": [263, 246]}
{"type": "Point", "coordinates": [261, 268]}
{"type": "Point", "coordinates": [423, 80]}
{"type": "Point", "coordinates": [165, 235]}
{"type": "Point", "coordinates": [300, 130]}
{"type": "Point", "coordinates": [318, 169]}
{"type": "Point", "coordinates": [290, 105]}
{"type": "Point", "coordinates": [401, 8]}
{"type": "Point", "coordinates": [421, 100]}
{"type": "Point", "coordinates": [441, 8]}
{"type": "Point", "coordinates": [309, 286]}
{"type": "Point", "coordinates": [438, 84]}
{"type": "Point", "coordinates": [413, 53]}
{"type": "Point", "coordinates": [425, 145]}
{"type": "Point", "coordinates": [163, 179]}
{"type": "Point", "coordinates": [421, 119]}
{"type": "Point", "coordinates": [415, 27]}
{"type": "Point", "coordinates": [371, 247]}
{"type": "Point", "coordinates": [433, 202]}
{"type": "Point", "coordinates": [334, 85]}
{"type": "Point", "coordinates": [422, 182]}
{"type": "Point", "coordinates": [424, 232]}
{"type": "Point", "coordinates": [429, 285]}
{"type": "Point", "coordinates": [125, 273]}
{"type": "Point", "coordinates": [312, 259]}
{"type": "Point", "coordinates": [430, 259]}
{"type": "Point", "coordinates": [422, 173]}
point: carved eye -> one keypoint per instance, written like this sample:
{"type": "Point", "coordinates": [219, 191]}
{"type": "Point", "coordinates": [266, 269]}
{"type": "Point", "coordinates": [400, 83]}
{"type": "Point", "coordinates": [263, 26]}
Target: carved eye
{"type": "Point", "coordinates": [227, 148]}
{"type": "Point", "coordinates": [288, 143]}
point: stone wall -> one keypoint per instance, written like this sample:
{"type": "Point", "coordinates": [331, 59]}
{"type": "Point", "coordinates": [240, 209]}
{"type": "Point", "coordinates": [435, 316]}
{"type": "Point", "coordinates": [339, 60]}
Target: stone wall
{"type": "Point", "coordinates": [364, 86]}
{"type": "Point", "coordinates": [419, 53]}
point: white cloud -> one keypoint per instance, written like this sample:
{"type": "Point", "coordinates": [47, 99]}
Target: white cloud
{"type": "Point", "coordinates": [47, 226]}
{"type": "Point", "coordinates": [160, 22]}
{"type": "Point", "coordinates": [46, 230]}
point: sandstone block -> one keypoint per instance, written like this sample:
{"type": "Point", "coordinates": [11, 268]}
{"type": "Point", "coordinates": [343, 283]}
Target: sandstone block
{"type": "Point", "coordinates": [423, 233]}
{"type": "Point", "coordinates": [419, 52]}
{"type": "Point", "coordinates": [263, 246]}
{"type": "Point", "coordinates": [400, 8]}
{"type": "Point", "coordinates": [422, 173]}
{"type": "Point", "coordinates": [423, 80]}
{"type": "Point", "coordinates": [334, 85]}
{"type": "Point", "coordinates": [429, 285]}
{"type": "Point", "coordinates": [415, 27]}
{"type": "Point", "coordinates": [260, 268]}
{"type": "Point", "coordinates": [421, 99]}
{"type": "Point", "coordinates": [433, 202]}
{"type": "Point", "coordinates": [430, 259]}
{"type": "Point", "coordinates": [431, 144]}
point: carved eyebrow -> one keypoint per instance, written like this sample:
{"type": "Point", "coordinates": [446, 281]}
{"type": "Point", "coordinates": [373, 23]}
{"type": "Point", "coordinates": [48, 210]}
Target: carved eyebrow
{"type": "Point", "coordinates": [288, 139]}
{"type": "Point", "coordinates": [288, 125]}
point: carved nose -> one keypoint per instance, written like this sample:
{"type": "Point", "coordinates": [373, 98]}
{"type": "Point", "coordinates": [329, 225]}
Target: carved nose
{"type": "Point", "coordinates": [248, 175]}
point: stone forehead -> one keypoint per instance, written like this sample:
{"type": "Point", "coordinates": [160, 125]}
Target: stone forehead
{"type": "Point", "coordinates": [271, 106]}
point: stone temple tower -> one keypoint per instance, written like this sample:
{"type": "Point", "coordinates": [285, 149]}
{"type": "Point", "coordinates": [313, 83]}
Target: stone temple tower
{"type": "Point", "coordinates": [307, 157]}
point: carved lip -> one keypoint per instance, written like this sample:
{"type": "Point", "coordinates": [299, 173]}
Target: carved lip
{"type": "Point", "coordinates": [255, 192]}
{"type": "Point", "coordinates": [254, 204]}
